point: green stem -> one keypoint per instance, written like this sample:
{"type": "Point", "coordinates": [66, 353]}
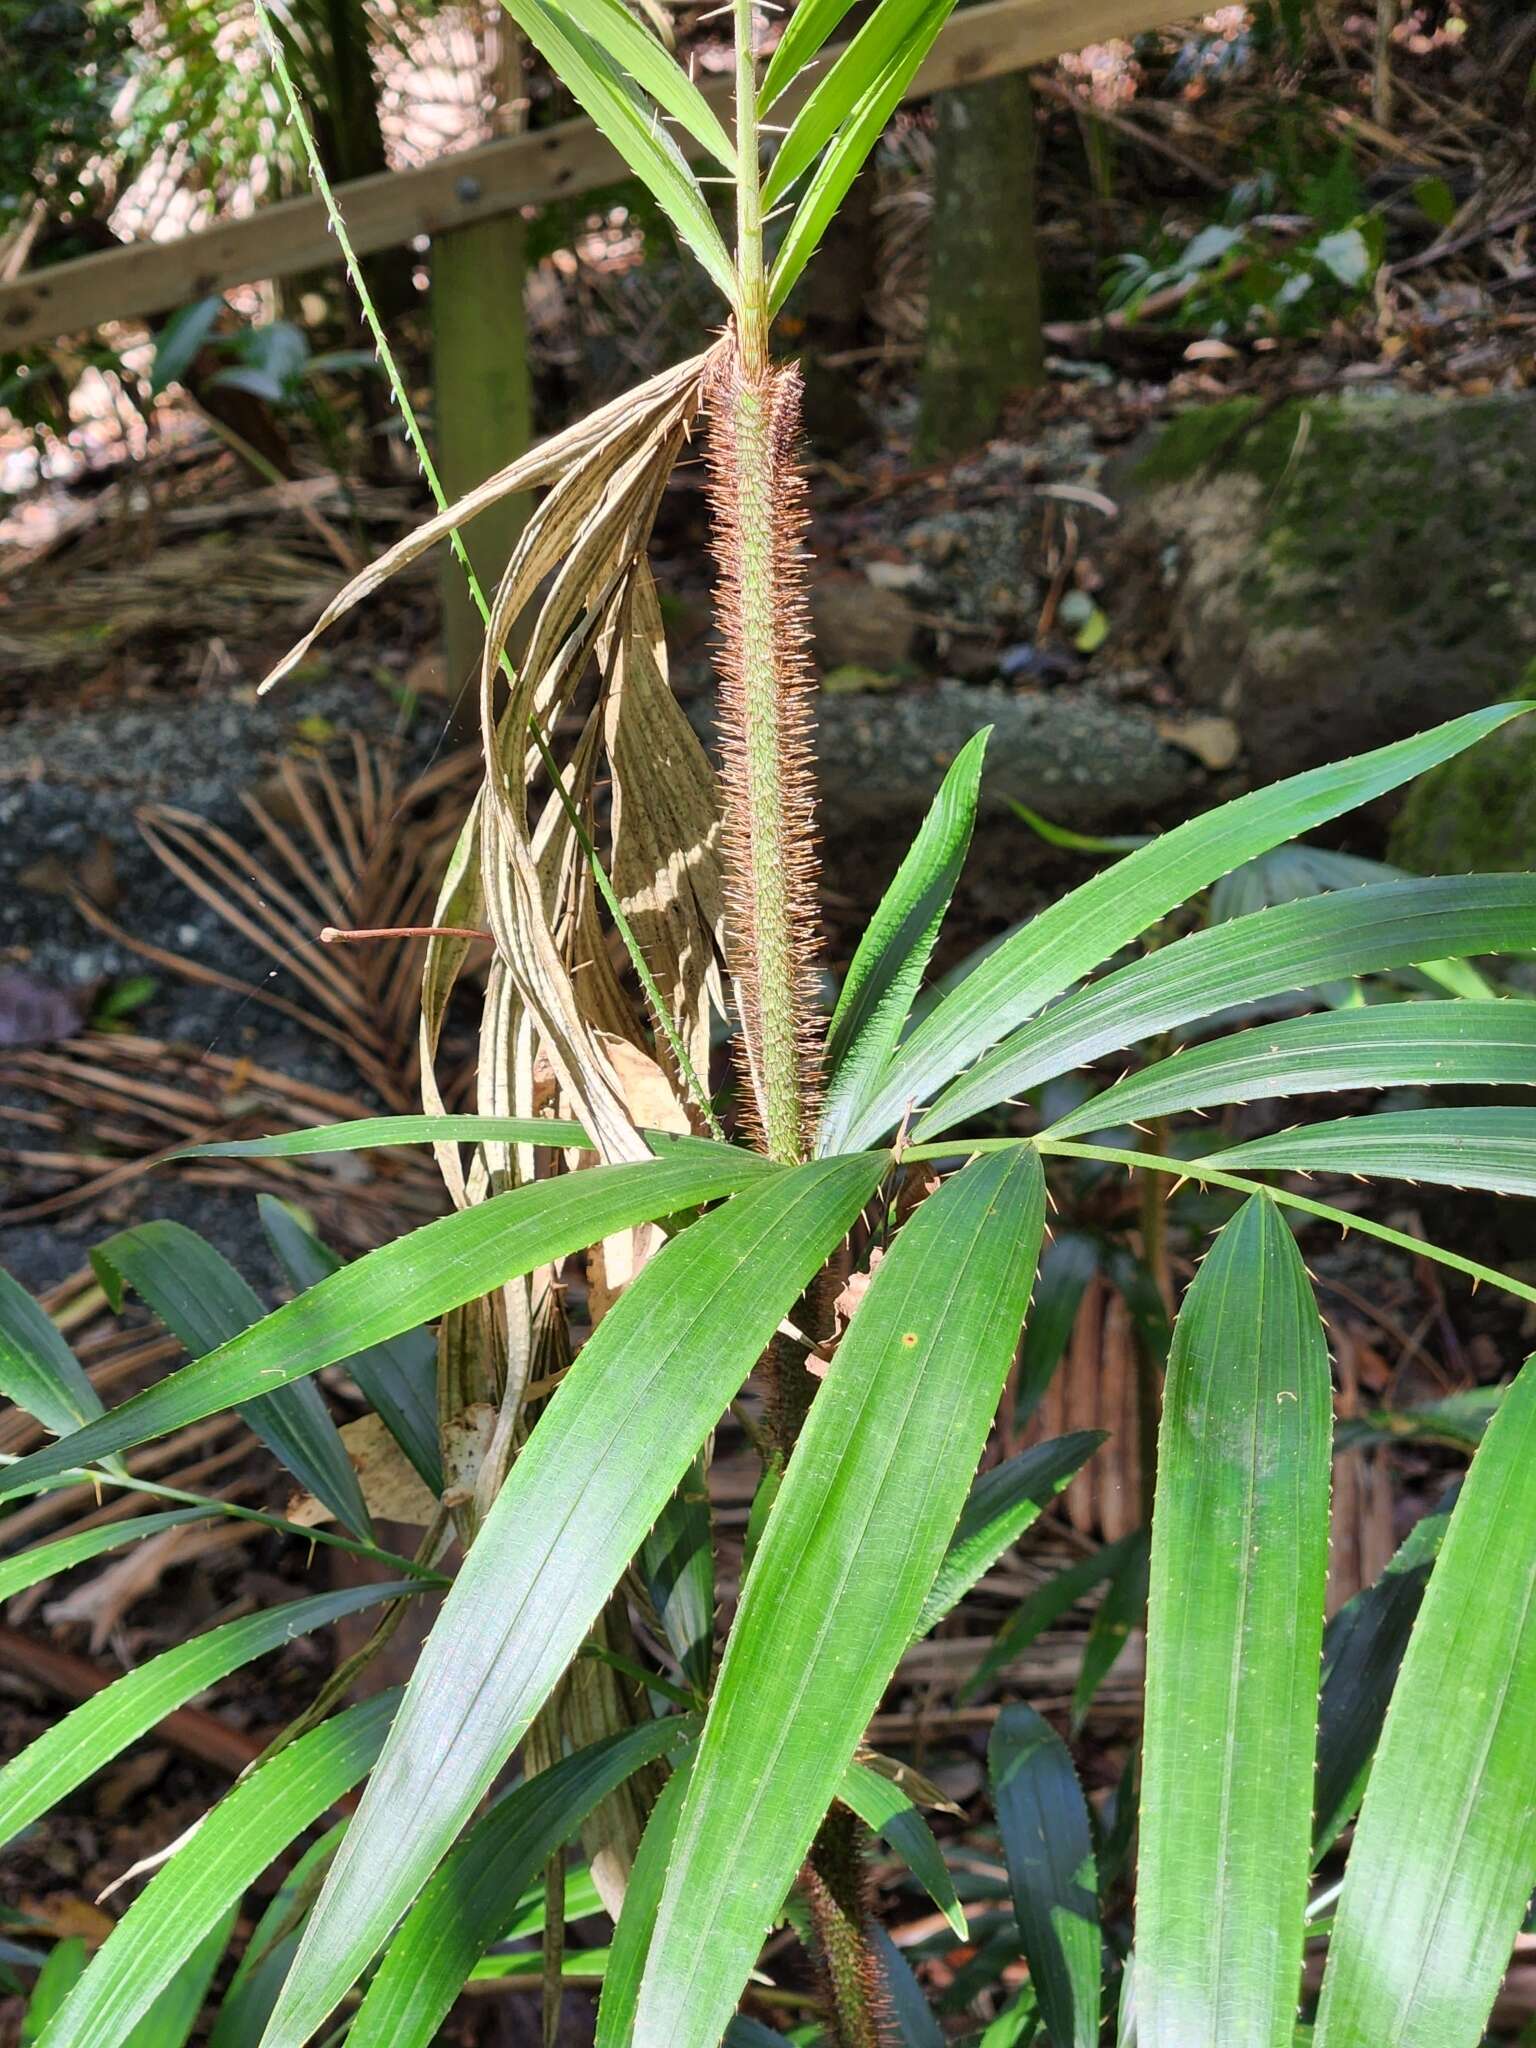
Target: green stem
{"type": "Point", "coordinates": [752, 299]}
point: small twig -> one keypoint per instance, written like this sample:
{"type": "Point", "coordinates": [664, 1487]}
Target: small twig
{"type": "Point", "coordinates": [333, 935]}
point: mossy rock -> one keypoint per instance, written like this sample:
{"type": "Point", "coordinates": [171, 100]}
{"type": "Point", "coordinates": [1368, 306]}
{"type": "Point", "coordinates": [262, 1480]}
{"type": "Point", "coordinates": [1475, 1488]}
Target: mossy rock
{"type": "Point", "coordinates": [1475, 814]}
{"type": "Point", "coordinates": [1344, 571]}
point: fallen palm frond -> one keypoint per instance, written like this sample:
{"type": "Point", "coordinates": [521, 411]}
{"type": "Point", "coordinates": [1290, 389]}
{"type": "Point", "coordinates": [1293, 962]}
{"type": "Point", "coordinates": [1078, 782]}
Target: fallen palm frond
{"type": "Point", "coordinates": [159, 1098]}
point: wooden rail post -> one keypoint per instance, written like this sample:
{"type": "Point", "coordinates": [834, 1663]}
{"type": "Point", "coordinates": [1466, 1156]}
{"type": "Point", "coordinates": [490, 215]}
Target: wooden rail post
{"type": "Point", "coordinates": [483, 414]}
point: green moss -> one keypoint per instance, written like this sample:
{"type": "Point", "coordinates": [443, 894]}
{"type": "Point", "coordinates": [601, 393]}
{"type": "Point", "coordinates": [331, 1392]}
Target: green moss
{"type": "Point", "coordinates": [1475, 814]}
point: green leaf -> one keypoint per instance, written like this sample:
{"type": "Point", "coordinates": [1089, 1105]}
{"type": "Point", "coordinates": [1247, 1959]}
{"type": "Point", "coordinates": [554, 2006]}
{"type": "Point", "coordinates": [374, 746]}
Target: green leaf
{"type": "Point", "coordinates": [66, 1960]}
{"type": "Point", "coordinates": [1094, 921]}
{"type": "Point", "coordinates": [884, 1808]}
{"type": "Point", "coordinates": [1291, 946]}
{"type": "Point", "coordinates": [1444, 1855]}
{"type": "Point", "coordinates": [252, 1993]}
{"type": "Point", "coordinates": [467, 1905]}
{"type": "Point", "coordinates": [1068, 841]}
{"type": "Point", "coordinates": [888, 34]}
{"type": "Point", "coordinates": [841, 164]}
{"type": "Point", "coordinates": [43, 1560]}
{"type": "Point", "coordinates": [363, 1134]}
{"type": "Point", "coordinates": [915, 2025]}
{"type": "Point", "coordinates": [1394, 1045]}
{"type": "Point", "coordinates": [1459, 1148]}
{"type": "Point", "coordinates": [1123, 1608]}
{"type": "Point", "coordinates": [677, 1562]}
{"type": "Point", "coordinates": [180, 339]}
{"type": "Point", "coordinates": [893, 954]}
{"type": "Point", "coordinates": [594, 1475]}
{"type": "Point", "coordinates": [635, 130]}
{"type": "Point", "coordinates": [1048, 1847]}
{"type": "Point", "coordinates": [203, 1302]}
{"type": "Point", "coordinates": [1459, 1420]}
{"type": "Point", "coordinates": [637, 1919]}
{"type": "Point", "coordinates": [192, 1895]}
{"type": "Point", "coordinates": [1046, 1605]}
{"type": "Point", "coordinates": [170, 2020]}
{"type": "Point", "coordinates": [398, 1378]}
{"type": "Point", "coordinates": [1239, 1560]}
{"type": "Point", "coordinates": [66, 1754]}
{"type": "Point", "coordinates": [612, 28]}
{"type": "Point", "coordinates": [872, 1493]}
{"type": "Point", "coordinates": [1363, 1649]}
{"type": "Point", "coordinates": [1003, 1503]}
{"type": "Point", "coordinates": [807, 29]}
{"type": "Point", "coordinates": [38, 1371]}
{"type": "Point", "coordinates": [387, 1292]}
{"type": "Point", "coordinates": [1069, 1262]}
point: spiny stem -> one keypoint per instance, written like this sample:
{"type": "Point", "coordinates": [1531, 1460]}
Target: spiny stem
{"type": "Point", "coordinates": [757, 503]}
{"type": "Point", "coordinates": [752, 297]}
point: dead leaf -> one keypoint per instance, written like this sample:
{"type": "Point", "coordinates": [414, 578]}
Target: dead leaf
{"type": "Point", "coordinates": [34, 1012]}
{"type": "Point", "coordinates": [392, 1488]}
{"type": "Point", "coordinates": [63, 1915]}
{"type": "Point", "coordinates": [1214, 742]}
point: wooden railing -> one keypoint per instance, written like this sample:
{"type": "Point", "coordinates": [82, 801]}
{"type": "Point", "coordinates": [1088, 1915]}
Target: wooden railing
{"type": "Point", "coordinates": [144, 278]}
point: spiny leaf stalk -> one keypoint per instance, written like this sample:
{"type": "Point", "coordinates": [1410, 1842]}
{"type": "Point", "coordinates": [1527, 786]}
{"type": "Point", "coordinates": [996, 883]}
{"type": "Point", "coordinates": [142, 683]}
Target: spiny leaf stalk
{"type": "Point", "coordinates": [758, 502]}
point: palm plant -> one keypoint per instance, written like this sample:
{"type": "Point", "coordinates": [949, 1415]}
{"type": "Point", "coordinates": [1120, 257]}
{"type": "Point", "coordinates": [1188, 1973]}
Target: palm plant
{"type": "Point", "coordinates": [577, 1494]}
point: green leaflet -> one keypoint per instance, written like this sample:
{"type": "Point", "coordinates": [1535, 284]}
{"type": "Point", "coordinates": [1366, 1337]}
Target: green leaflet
{"type": "Point", "coordinates": [1003, 1503]}
{"type": "Point", "coordinates": [1239, 1559]}
{"type": "Point", "coordinates": [264, 1963]}
{"type": "Point", "coordinates": [1444, 1855]}
{"type": "Point", "coordinates": [843, 160]}
{"type": "Point", "coordinates": [1091, 924]}
{"type": "Point", "coordinates": [594, 1475]}
{"type": "Point", "coordinates": [192, 1894]}
{"type": "Point", "coordinates": [637, 1919]}
{"type": "Point", "coordinates": [362, 1134]}
{"type": "Point", "coordinates": [44, 1559]}
{"type": "Point", "coordinates": [90, 1736]}
{"type": "Point", "coordinates": [1394, 1045]}
{"type": "Point", "coordinates": [1363, 1649]}
{"type": "Point", "coordinates": [677, 1563]}
{"type": "Point", "coordinates": [870, 1498]}
{"type": "Point", "coordinates": [654, 69]}
{"type": "Point", "coordinates": [859, 69]}
{"type": "Point", "coordinates": [418, 1277]}
{"type": "Point", "coordinates": [398, 1378]}
{"type": "Point", "coordinates": [467, 1904]}
{"type": "Point", "coordinates": [203, 1301]}
{"type": "Point", "coordinates": [808, 27]}
{"type": "Point", "coordinates": [885, 1809]}
{"type": "Point", "coordinates": [915, 2025]}
{"type": "Point", "coordinates": [1459, 1148]}
{"type": "Point", "coordinates": [1123, 1608]}
{"type": "Point", "coordinates": [610, 100]}
{"type": "Point", "coordinates": [894, 952]}
{"type": "Point", "coordinates": [1046, 1605]}
{"type": "Point", "coordinates": [38, 1371]}
{"type": "Point", "coordinates": [170, 2020]}
{"type": "Point", "coordinates": [1067, 1264]}
{"type": "Point", "coordinates": [1292, 946]}
{"type": "Point", "coordinates": [1043, 1819]}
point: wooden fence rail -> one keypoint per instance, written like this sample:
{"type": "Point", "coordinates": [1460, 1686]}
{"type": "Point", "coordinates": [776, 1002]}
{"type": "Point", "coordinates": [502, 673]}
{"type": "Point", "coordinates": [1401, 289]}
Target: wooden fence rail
{"type": "Point", "coordinates": [144, 278]}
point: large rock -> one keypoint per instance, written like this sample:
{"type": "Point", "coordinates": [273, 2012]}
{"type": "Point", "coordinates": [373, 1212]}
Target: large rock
{"type": "Point", "coordinates": [1081, 759]}
{"type": "Point", "coordinates": [1343, 571]}
{"type": "Point", "coordinates": [1475, 814]}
